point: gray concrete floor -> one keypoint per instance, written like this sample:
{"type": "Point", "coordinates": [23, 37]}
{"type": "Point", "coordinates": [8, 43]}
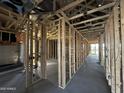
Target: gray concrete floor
{"type": "Point", "coordinates": [15, 79]}
{"type": "Point", "coordinates": [52, 71]}
{"type": "Point", "coordinates": [89, 79]}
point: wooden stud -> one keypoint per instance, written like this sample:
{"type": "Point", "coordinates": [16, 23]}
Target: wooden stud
{"type": "Point", "coordinates": [74, 51]}
{"type": "Point", "coordinates": [63, 54]}
{"type": "Point", "coordinates": [108, 53]}
{"type": "Point", "coordinates": [31, 53]}
{"type": "Point", "coordinates": [107, 50]}
{"type": "Point", "coordinates": [122, 37]}
{"type": "Point", "coordinates": [36, 46]}
{"type": "Point", "coordinates": [117, 50]}
{"type": "Point", "coordinates": [27, 54]}
{"type": "Point", "coordinates": [112, 56]}
{"type": "Point", "coordinates": [59, 55]}
{"type": "Point", "coordinates": [53, 49]}
{"type": "Point", "coordinates": [70, 53]}
{"type": "Point", "coordinates": [52, 45]}
{"type": "Point", "coordinates": [43, 51]}
{"type": "Point", "coordinates": [100, 49]}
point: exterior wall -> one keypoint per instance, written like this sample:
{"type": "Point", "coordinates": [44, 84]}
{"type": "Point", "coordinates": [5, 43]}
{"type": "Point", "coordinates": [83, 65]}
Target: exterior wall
{"type": "Point", "coordinates": [9, 54]}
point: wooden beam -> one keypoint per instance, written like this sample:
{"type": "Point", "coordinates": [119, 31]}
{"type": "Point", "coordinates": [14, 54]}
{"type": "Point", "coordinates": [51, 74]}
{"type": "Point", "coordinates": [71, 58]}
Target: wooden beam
{"type": "Point", "coordinates": [10, 25]}
{"type": "Point", "coordinates": [4, 30]}
{"type": "Point", "coordinates": [99, 23]}
{"type": "Point", "coordinates": [93, 10]}
{"type": "Point", "coordinates": [94, 28]}
{"type": "Point", "coordinates": [38, 1]}
{"type": "Point", "coordinates": [90, 2]}
{"type": "Point", "coordinates": [90, 20]}
{"type": "Point", "coordinates": [73, 4]}
{"type": "Point", "coordinates": [7, 18]}
{"type": "Point", "coordinates": [93, 31]}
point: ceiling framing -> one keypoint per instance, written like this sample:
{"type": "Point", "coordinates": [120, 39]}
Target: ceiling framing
{"type": "Point", "coordinates": [90, 20]}
{"type": "Point", "coordinates": [82, 15]}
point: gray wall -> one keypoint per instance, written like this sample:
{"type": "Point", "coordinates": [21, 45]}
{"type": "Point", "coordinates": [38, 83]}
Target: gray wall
{"type": "Point", "coordinates": [9, 54]}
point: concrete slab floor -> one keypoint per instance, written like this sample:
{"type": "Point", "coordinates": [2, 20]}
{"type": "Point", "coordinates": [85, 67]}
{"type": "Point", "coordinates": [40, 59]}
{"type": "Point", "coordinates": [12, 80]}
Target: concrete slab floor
{"type": "Point", "coordinates": [52, 71]}
{"type": "Point", "coordinates": [89, 79]}
{"type": "Point", "coordinates": [14, 80]}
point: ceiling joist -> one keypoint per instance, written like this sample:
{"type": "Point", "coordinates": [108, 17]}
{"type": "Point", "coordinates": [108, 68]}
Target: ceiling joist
{"type": "Point", "coordinates": [93, 31]}
{"type": "Point", "coordinates": [93, 19]}
{"type": "Point", "coordinates": [94, 28]}
{"type": "Point", "coordinates": [93, 10]}
{"type": "Point", "coordinates": [99, 23]}
{"type": "Point", "coordinates": [73, 4]}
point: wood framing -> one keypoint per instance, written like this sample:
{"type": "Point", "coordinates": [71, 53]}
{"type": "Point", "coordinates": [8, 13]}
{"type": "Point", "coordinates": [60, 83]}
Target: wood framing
{"type": "Point", "coordinates": [117, 50]}
{"type": "Point", "coordinates": [99, 23]}
{"type": "Point", "coordinates": [63, 36]}
{"type": "Point", "coordinates": [73, 64]}
{"type": "Point", "coordinates": [43, 51]}
{"type": "Point", "coordinates": [93, 28]}
{"type": "Point", "coordinates": [63, 54]}
{"type": "Point", "coordinates": [27, 56]}
{"type": "Point", "coordinates": [107, 55]}
{"type": "Point", "coordinates": [90, 20]}
{"type": "Point", "coordinates": [122, 37]}
{"type": "Point", "coordinates": [114, 48]}
{"type": "Point", "coordinates": [70, 53]}
{"type": "Point", "coordinates": [112, 56]}
{"type": "Point", "coordinates": [93, 10]}
{"type": "Point", "coordinates": [59, 55]}
{"type": "Point", "coordinates": [70, 56]}
{"type": "Point", "coordinates": [73, 4]}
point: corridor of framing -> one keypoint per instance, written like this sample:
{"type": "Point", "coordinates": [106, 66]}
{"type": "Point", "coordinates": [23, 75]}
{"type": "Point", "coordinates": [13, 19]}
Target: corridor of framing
{"type": "Point", "coordinates": [57, 46]}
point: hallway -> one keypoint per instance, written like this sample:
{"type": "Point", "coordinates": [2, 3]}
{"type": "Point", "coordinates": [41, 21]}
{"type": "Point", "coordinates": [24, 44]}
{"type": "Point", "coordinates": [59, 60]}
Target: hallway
{"type": "Point", "coordinates": [61, 46]}
{"type": "Point", "coordinates": [89, 79]}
